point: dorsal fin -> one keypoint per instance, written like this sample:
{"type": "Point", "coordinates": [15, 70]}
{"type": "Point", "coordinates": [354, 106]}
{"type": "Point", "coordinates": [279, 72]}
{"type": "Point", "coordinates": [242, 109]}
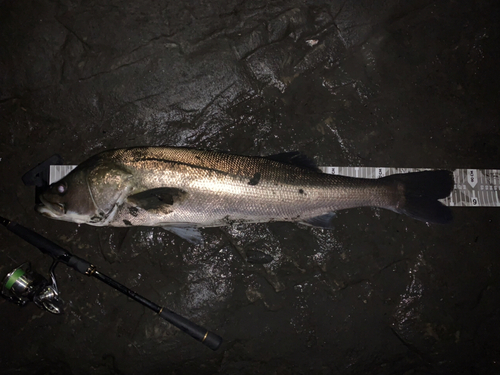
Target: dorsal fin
{"type": "Point", "coordinates": [295, 158]}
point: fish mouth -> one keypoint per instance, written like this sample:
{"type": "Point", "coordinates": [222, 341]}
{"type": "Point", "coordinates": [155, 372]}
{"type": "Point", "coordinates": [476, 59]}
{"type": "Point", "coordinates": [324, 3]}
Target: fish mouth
{"type": "Point", "coordinates": [46, 211]}
{"type": "Point", "coordinates": [50, 210]}
{"type": "Point", "coordinates": [59, 211]}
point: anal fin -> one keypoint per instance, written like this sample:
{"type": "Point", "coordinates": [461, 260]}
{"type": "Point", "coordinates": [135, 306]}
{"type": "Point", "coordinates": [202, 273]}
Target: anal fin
{"type": "Point", "coordinates": [322, 221]}
{"type": "Point", "coordinates": [190, 234]}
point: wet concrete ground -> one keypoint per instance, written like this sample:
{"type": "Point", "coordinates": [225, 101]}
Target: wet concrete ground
{"type": "Point", "coordinates": [358, 83]}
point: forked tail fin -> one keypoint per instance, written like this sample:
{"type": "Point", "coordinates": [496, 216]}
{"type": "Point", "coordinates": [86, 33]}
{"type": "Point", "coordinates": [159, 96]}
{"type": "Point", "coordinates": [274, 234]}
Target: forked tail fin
{"type": "Point", "coordinates": [421, 191]}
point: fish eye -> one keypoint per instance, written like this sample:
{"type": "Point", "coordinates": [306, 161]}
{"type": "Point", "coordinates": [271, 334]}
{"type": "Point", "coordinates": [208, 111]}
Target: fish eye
{"type": "Point", "coordinates": [61, 188]}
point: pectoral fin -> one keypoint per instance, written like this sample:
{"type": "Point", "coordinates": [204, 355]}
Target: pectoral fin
{"type": "Point", "coordinates": [157, 199]}
{"type": "Point", "coordinates": [190, 234]}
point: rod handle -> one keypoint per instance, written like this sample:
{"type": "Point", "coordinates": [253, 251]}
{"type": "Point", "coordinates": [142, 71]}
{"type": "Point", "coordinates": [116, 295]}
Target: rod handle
{"type": "Point", "coordinates": [201, 334]}
{"type": "Point", "coordinates": [37, 240]}
{"type": "Point", "coordinates": [48, 247]}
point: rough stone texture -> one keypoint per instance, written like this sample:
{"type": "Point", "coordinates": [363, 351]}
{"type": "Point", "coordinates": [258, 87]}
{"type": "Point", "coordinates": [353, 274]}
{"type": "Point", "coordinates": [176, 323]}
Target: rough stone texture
{"type": "Point", "coordinates": [366, 83]}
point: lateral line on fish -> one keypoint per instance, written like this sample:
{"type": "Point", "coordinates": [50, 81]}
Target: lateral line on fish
{"type": "Point", "coordinates": [175, 162]}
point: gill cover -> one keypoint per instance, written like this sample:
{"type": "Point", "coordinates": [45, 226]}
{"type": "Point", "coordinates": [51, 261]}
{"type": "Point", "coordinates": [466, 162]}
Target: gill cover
{"type": "Point", "coordinates": [108, 185]}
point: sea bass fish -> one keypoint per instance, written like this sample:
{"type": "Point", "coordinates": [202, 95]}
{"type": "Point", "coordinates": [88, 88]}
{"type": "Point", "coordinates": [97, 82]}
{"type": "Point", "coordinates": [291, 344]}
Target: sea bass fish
{"type": "Point", "coordinates": [182, 189]}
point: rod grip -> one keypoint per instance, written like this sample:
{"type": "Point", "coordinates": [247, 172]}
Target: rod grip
{"type": "Point", "coordinates": [48, 247]}
{"type": "Point", "coordinates": [37, 240]}
{"type": "Point", "coordinates": [201, 334]}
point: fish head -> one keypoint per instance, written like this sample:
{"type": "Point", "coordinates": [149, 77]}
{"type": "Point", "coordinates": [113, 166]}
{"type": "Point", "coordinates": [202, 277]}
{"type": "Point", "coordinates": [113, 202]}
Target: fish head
{"type": "Point", "coordinates": [89, 194]}
{"type": "Point", "coordinates": [68, 199]}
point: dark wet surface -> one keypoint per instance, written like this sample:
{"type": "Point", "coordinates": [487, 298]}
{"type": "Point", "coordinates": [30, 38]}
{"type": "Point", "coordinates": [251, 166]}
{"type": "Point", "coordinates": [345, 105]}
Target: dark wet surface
{"type": "Point", "coordinates": [401, 84]}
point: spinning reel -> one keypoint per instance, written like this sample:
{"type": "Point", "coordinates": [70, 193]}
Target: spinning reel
{"type": "Point", "coordinates": [23, 284]}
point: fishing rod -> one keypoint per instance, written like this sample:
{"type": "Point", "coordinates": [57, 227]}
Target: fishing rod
{"type": "Point", "coordinates": [23, 285]}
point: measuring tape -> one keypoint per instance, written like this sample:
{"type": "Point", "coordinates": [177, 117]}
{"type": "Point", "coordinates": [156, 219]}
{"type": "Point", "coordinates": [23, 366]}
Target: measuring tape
{"type": "Point", "coordinates": [473, 187]}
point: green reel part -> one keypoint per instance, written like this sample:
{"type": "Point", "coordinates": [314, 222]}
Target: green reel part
{"type": "Point", "coordinates": [12, 277]}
